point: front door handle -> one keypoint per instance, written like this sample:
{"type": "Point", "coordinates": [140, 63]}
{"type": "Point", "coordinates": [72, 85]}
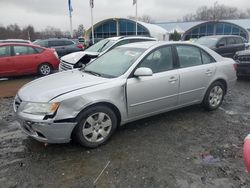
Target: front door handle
{"type": "Point", "coordinates": [172, 79]}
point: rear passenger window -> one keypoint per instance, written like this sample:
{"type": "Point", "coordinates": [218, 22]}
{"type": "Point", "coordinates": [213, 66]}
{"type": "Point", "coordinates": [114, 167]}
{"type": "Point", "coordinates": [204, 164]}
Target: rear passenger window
{"type": "Point", "coordinates": [159, 60]}
{"type": "Point", "coordinates": [231, 41]}
{"type": "Point", "coordinates": [68, 42]}
{"type": "Point", "coordinates": [43, 43]}
{"type": "Point", "coordinates": [56, 43]}
{"type": "Point", "coordinates": [239, 41]}
{"type": "Point", "coordinates": [189, 56]}
{"type": "Point", "coordinates": [206, 59]}
{"type": "Point", "coordinates": [222, 42]}
{"type": "Point", "coordinates": [4, 51]}
{"type": "Point", "coordinates": [24, 50]}
{"type": "Point", "coordinates": [39, 50]}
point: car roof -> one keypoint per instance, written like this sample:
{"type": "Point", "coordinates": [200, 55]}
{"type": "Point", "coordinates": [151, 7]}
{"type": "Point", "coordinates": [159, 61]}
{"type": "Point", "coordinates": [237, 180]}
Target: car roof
{"type": "Point", "coordinates": [149, 44]}
{"type": "Point", "coordinates": [20, 44]}
{"type": "Point", "coordinates": [54, 39]}
{"type": "Point", "coordinates": [221, 36]}
{"type": "Point", "coordinates": [15, 40]}
{"type": "Point", "coordinates": [130, 37]}
{"type": "Point", "coordinates": [144, 45]}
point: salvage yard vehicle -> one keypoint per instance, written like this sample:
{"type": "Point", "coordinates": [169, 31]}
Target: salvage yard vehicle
{"type": "Point", "coordinates": [243, 63]}
{"type": "Point", "coordinates": [77, 59]}
{"type": "Point", "coordinates": [63, 46]}
{"type": "Point", "coordinates": [128, 83]}
{"type": "Point", "coordinates": [225, 45]}
{"type": "Point", "coordinates": [22, 59]}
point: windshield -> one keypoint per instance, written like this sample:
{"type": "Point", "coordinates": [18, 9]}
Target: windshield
{"type": "Point", "coordinates": [100, 46]}
{"type": "Point", "coordinates": [114, 63]}
{"type": "Point", "coordinates": [207, 41]}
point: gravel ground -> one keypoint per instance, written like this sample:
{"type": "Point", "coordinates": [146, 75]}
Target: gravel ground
{"type": "Point", "coordinates": [184, 148]}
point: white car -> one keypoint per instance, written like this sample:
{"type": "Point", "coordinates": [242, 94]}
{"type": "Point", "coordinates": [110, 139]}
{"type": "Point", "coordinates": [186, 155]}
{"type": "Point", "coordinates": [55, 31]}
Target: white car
{"type": "Point", "coordinates": [77, 59]}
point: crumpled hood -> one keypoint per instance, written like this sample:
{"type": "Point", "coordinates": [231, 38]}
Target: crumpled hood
{"type": "Point", "coordinates": [73, 58]}
{"type": "Point", "coordinates": [49, 87]}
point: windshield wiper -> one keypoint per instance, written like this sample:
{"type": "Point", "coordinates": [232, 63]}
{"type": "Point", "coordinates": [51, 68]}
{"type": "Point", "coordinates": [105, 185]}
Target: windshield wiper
{"type": "Point", "coordinates": [92, 72]}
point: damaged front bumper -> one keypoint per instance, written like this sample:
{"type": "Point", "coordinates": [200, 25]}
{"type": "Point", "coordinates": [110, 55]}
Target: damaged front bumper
{"type": "Point", "coordinates": [46, 130]}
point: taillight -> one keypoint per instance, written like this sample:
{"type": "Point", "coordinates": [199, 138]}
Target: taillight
{"type": "Point", "coordinates": [80, 46]}
{"type": "Point", "coordinates": [235, 66]}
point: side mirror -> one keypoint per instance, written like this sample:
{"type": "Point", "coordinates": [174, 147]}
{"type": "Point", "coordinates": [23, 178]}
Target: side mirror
{"type": "Point", "coordinates": [143, 71]}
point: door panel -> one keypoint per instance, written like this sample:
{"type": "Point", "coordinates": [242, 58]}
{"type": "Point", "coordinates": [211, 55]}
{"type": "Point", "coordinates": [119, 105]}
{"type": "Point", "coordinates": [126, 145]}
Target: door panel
{"type": "Point", "coordinates": [150, 94]}
{"type": "Point", "coordinates": [6, 62]}
{"type": "Point", "coordinates": [26, 59]}
{"type": "Point", "coordinates": [6, 66]}
{"type": "Point", "coordinates": [59, 46]}
{"type": "Point", "coordinates": [193, 83]}
{"type": "Point", "coordinates": [223, 50]}
{"type": "Point", "coordinates": [196, 71]}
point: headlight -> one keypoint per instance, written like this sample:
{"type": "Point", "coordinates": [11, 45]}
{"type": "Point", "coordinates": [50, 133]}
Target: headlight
{"type": "Point", "coordinates": [41, 108]}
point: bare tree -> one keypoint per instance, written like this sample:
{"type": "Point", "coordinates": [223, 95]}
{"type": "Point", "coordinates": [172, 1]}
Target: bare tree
{"type": "Point", "coordinates": [80, 30]}
{"type": "Point", "coordinates": [216, 12]}
{"type": "Point", "coordinates": [144, 18]}
{"type": "Point", "coordinates": [28, 32]}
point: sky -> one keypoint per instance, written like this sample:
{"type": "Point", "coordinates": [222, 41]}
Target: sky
{"type": "Point", "coordinates": [43, 13]}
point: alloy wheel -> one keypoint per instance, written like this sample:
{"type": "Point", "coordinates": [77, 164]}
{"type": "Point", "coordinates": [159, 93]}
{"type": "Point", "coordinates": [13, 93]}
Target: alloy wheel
{"type": "Point", "coordinates": [97, 127]}
{"type": "Point", "coordinates": [45, 69]}
{"type": "Point", "coordinates": [215, 96]}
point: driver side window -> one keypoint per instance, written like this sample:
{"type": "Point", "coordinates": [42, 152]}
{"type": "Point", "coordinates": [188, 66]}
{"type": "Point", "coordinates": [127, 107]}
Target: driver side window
{"type": "Point", "coordinates": [159, 60]}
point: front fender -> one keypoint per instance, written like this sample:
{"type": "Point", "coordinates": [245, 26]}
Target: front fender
{"type": "Point", "coordinates": [77, 101]}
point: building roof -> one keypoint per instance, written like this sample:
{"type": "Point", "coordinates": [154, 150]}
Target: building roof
{"type": "Point", "coordinates": [153, 28]}
{"type": "Point", "coordinates": [170, 26]}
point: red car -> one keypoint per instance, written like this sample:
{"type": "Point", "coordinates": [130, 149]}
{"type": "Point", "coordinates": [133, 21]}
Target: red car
{"type": "Point", "coordinates": [20, 59]}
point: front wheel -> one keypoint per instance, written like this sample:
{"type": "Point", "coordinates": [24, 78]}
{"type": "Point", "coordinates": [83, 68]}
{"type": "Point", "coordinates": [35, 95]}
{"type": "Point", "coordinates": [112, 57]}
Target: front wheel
{"type": "Point", "coordinates": [95, 126]}
{"type": "Point", "coordinates": [214, 96]}
{"type": "Point", "coordinates": [44, 69]}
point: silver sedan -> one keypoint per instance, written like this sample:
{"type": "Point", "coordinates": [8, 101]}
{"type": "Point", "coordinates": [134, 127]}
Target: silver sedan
{"type": "Point", "coordinates": [128, 83]}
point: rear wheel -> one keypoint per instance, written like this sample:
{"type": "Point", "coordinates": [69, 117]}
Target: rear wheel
{"type": "Point", "coordinates": [95, 126]}
{"type": "Point", "coordinates": [214, 96]}
{"type": "Point", "coordinates": [44, 69]}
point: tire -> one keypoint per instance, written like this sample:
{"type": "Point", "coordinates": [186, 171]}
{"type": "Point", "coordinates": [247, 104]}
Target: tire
{"type": "Point", "coordinates": [214, 96]}
{"type": "Point", "coordinates": [95, 126]}
{"type": "Point", "coordinates": [44, 69]}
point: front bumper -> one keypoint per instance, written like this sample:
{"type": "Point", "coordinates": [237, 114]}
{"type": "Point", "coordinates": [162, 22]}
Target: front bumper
{"type": "Point", "coordinates": [47, 131]}
{"type": "Point", "coordinates": [64, 66]}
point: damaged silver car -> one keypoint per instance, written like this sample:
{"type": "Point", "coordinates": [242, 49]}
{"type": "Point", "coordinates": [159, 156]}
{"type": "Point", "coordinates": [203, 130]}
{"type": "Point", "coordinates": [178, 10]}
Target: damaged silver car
{"type": "Point", "coordinates": [128, 83]}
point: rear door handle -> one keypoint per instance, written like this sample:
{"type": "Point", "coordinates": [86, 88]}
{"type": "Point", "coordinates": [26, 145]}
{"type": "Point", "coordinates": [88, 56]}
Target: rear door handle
{"type": "Point", "coordinates": [208, 72]}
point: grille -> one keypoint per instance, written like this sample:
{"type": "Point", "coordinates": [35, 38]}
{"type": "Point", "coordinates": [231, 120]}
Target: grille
{"type": "Point", "coordinates": [244, 58]}
{"type": "Point", "coordinates": [65, 66]}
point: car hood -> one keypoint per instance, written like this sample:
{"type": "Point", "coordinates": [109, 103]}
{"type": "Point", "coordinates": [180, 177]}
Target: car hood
{"type": "Point", "coordinates": [49, 87]}
{"type": "Point", "coordinates": [73, 58]}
